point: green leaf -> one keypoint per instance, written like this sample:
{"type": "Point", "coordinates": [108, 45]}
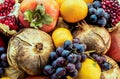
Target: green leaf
{"type": "Point", "coordinates": [41, 9]}
{"type": "Point", "coordinates": [46, 19]}
{"type": "Point", "coordinates": [28, 15]}
{"type": "Point", "coordinates": [36, 24]}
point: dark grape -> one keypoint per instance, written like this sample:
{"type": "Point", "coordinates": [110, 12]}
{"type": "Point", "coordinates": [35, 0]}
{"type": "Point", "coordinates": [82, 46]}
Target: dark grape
{"type": "Point", "coordinates": [79, 47]}
{"type": "Point", "coordinates": [60, 61]}
{"type": "Point", "coordinates": [90, 5]}
{"type": "Point", "coordinates": [106, 15]}
{"type": "Point", "coordinates": [83, 57]}
{"type": "Point", "coordinates": [68, 44]}
{"type": "Point", "coordinates": [76, 40]}
{"type": "Point", "coordinates": [72, 58]}
{"type": "Point", "coordinates": [79, 57]}
{"type": "Point", "coordinates": [48, 70]}
{"type": "Point", "coordinates": [5, 64]}
{"type": "Point", "coordinates": [92, 11]}
{"type": "Point", "coordinates": [78, 65]}
{"type": "Point", "coordinates": [102, 21]}
{"type": "Point", "coordinates": [60, 71]}
{"type": "Point", "coordinates": [106, 66]}
{"type": "Point", "coordinates": [1, 71]}
{"type": "Point", "coordinates": [54, 76]}
{"type": "Point", "coordinates": [3, 57]}
{"type": "Point", "coordinates": [65, 53]}
{"type": "Point", "coordinates": [59, 50]}
{"type": "Point", "coordinates": [97, 4]}
{"type": "Point", "coordinates": [93, 18]}
{"type": "Point", "coordinates": [70, 67]}
{"type": "Point", "coordinates": [53, 55]}
{"type": "Point", "coordinates": [98, 59]}
{"type": "Point", "coordinates": [54, 64]}
{"type": "Point", "coordinates": [74, 73]}
{"type": "Point", "coordinates": [94, 55]}
{"type": "Point", "coordinates": [100, 12]}
{"type": "Point", "coordinates": [2, 49]}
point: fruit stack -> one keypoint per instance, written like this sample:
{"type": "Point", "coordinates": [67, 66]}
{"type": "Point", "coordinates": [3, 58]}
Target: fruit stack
{"type": "Point", "coordinates": [59, 39]}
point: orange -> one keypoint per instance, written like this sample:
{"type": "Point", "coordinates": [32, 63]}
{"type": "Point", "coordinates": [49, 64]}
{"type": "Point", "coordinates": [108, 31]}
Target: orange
{"type": "Point", "coordinates": [74, 10]}
{"type": "Point", "coordinates": [89, 70]}
{"type": "Point", "coordinates": [60, 2]}
{"type": "Point", "coordinates": [88, 1]}
{"type": "Point", "coordinates": [60, 35]}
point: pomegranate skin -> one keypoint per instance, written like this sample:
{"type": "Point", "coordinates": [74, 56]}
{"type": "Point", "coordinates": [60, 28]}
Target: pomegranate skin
{"type": "Point", "coordinates": [114, 51]}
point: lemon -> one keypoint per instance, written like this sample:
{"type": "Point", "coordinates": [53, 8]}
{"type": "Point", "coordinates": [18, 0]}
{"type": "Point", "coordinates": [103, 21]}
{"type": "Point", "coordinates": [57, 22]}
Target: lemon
{"type": "Point", "coordinates": [89, 70]}
{"type": "Point", "coordinates": [60, 35]}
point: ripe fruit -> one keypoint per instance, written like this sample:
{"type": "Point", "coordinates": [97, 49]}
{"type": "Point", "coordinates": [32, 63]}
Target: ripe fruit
{"type": "Point", "coordinates": [36, 77]}
{"type": "Point", "coordinates": [43, 14]}
{"type": "Point", "coordinates": [60, 35]}
{"type": "Point", "coordinates": [95, 38]}
{"type": "Point", "coordinates": [115, 45]}
{"type": "Point", "coordinates": [73, 11]}
{"type": "Point", "coordinates": [30, 54]}
{"type": "Point", "coordinates": [89, 70]}
{"type": "Point", "coordinates": [89, 1]}
{"type": "Point", "coordinates": [113, 8]}
{"type": "Point", "coordinates": [60, 2]}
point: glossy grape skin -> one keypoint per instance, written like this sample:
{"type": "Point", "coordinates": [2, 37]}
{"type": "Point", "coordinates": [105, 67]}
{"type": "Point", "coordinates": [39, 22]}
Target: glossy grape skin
{"type": "Point", "coordinates": [60, 71]}
{"type": "Point", "coordinates": [4, 64]}
{"type": "Point", "coordinates": [53, 55]}
{"type": "Point", "coordinates": [106, 66]}
{"type": "Point", "coordinates": [74, 73]}
{"type": "Point", "coordinates": [54, 76]}
{"type": "Point", "coordinates": [72, 58]}
{"type": "Point", "coordinates": [67, 45]}
{"type": "Point", "coordinates": [3, 57]}
{"type": "Point", "coordinates": [70, 67]}
{"type": "Point", "coordinates": [80, 48]}
{"type": "Point", "coordinates": [48, 70]}
{"type": "Point", "coordinates": [2, 49]}
{"type": "Point", "coordinates": [59, 50]}
{"type": "Point", "coordinates": [76, 40]}
{"type": "Point", "coordinates": [97, 4]}
{"type": "Point", "coordinates": [93, 18]}
{"type": "Point", "coordinates": [92, 11]}
{"type": "Point", "coordinates": [65, 53]}
{"type": "Point", "coordinates": [78, 65]}
{"type": "Point", "coordinates": [102, 21]}
{"type": "Point", "coordinates": [1, 71]}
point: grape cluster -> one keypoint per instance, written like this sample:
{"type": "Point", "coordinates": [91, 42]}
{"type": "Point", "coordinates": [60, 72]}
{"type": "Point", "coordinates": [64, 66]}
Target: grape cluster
{"type": "Point", "coordinates": [3, 60]}
{"type": "Point", "coordinates": [97, 15]}
{"type": "Point", "coordinates": [102, 61]}
{"type": "Point", "coordinates": [66, 60]}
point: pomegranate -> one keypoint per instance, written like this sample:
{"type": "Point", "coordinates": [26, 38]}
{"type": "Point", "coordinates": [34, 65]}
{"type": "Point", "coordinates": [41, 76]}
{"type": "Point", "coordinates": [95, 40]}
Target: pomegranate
{"type": "Point", "coordinates": [114, 51]}
{"type": "Point", "coordinates": [96, 38]}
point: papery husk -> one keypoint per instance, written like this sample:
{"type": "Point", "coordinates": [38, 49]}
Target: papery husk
{"type": "Point", "coordinates": [96, 38]}
{"type": "Point", "coordinates": [113, 73]}
{"type": "Point", "coordinates": [113, 27]}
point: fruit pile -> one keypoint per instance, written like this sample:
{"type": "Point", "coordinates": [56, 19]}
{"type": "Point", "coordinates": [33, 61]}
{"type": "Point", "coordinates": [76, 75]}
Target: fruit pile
{"type": "Point", "coordinates": [59, 39]}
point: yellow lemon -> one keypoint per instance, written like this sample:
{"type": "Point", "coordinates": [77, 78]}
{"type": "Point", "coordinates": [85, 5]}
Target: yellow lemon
{"type": "Point", "coordinates": [60, 35]}
{"type": "Point", "coordinates": [89, 70]}
{"type": "Point", "coordinates": [5, 78]}
{"type": "Point", "coordinates": [73, 10]}
{"type": "Point", "coordinates": [60, 2]}
{"type": "Point", "coordinates": [89, 1]}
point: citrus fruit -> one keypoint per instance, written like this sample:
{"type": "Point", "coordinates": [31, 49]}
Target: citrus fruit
{"type": "Point", "coordinates": [89, 70]}
{"type": "Point", "coordinates": [60, 35]}
{"type": "Point", "coordinates": [5, 78]}
{"type": "Point", "coordinates": [74, 10]}
{"type": "Point", "coordinates": [60, 2]}
{"type": "Point", "coordinates": [88, 1]}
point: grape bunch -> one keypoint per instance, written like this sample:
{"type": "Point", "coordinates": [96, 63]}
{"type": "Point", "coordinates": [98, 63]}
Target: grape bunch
{"type": "Point", "coordinates": [3, 60]}
{"type": "Point", "coordinates": [97, 15]}
{"type": "Point", "coordinates": [102, 61]}
{"type": "Point", "coordinates": [66, 60]}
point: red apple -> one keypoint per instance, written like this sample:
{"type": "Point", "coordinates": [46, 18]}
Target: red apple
{"type": "Point", "coordinates": [114, 51]}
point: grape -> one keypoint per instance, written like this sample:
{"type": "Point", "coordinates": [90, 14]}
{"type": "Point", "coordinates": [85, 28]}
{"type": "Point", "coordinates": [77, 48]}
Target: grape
{"type": "Point", "coordinates": [48, 70]}
{"type": "Point", "coordinates": [98, 59]}
{"type": "Point", "coordinates": [72, 58]}
{"type": "Point", "coordinates": [94, 55]}
{"type": "Point", "coordinates": [59, 62]}
{"type": "Point", "coordinates": [103, 58]}
{"type": "Point", "coordinates": [97, 4]}
{"type": "Point", "coordinates": [70, 67]}
{"type": "Point", "coordinates": [68, 44]}
{"type": "Point", "coordinates": [76, 40]}
{"type": "Point", "coordinates": [92, 11]}
{"type": "Point", "coordinates": [106, 66]}
{"type": "Point", "coordinates": [65, 53]}
{"type": "Point", "coordinates": [90, 5]}
{"type": "Point", "coordinates": [4, 64]}
{"type": "Point", "coordinates": [79, 47]}
{"type": "Point", "coordinates": [59, 50]}
{"type": "Point", "coordinates": [54, 64]}
{"type": "Point", "coordinates": [60, 71]}
{"type": "Point", "coordinates": [102, 21]}
{"type": "Point", "coordinates": [93, 18]}
{"type": "Point", "coordinates": [53, 55]}
{"type": "Point", "coordinates": [54, 76]}
{"type": "Point", "coordinates": [2, 49]}
{"type": "Point", "coordinates": [83, 57]}
{"type": "Point", "coordinates": [78, 65]}
{"type": "Point", "coordinates": [79, 57]}
{"type": "Point", "coordinates": [3, 57]}
{"type": "Point", "coordinates": [74, 73]}
{"type": "Point", "coordinates": [1, 71]}
{"type": "Point", "coordinates": [100, 12]}
{"type": "Point", "coordinates": [106, 15]}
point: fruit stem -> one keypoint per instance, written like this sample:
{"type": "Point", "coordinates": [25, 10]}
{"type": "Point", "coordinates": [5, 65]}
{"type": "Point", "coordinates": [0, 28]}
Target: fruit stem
{"type": "Point", "coordinates": [83, 25]}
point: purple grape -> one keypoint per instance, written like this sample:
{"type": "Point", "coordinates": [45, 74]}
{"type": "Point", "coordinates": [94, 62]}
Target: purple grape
{"type": "Point", "coordinates": [78, 65]}
{"type": "Point", "coordinates": [74, 73]}
{"type": "Point", "coordinates": [60, 61]}
{"type": "Point", "coordinates": [107, 16]}
{"type": "Point", "coordinates": [83, 57]}
{"type": "Point", "coordinates": [94, 55]}
{"type": "Point", "coordinates": [60, 71]}
{"type": "Point", "coordinates": [48, 70]}
{"type": "Point", "coordinates": [90, 5]}
{"type": "Point", "coordinates": [1, 71]}
{"type": "Point", "coordinates": [100, 12]}
{"type": "Point", "coordinates": [102, 21]}
{"type": "Point", "coordinates": [103, 59]}
{"type": "Point", "coordinates": [65, 53]}
{"type": "Point", "coordinates": [68, 44]}
{"type": "Point", "coordinates": [106, 66]}
{"type": "Point", "coordinates": [5, 64]}
{"type": "Point", "coordinates": [2, 49]}
{"type": "Point", "coordinates": [54, 76]}
{"type": "Point", "coordinates": [79, 47]}
{"type": "Point", "coordinates": [98, 59]}
{"type": "Point", "coordinates": [97, 4]}
{"type": "Point", "coordinates": [3, 57]}
{"type": "Point", "coordinates": [93, 18]}
{"type": "Point", "coordinates": [79, 57]}
{"type": "Point", "coordinates": [53, 55]}
{"type": "Point", "coordinates": [59, 50]}
{"type": "Point", "coordinates": [76, 40]}
{"type": "Point", "coordinates": [70, 67]}
{"type": "Point", "coordinates": [92, 11]}
{"type": "Point", "coordinates": [72, 58]}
